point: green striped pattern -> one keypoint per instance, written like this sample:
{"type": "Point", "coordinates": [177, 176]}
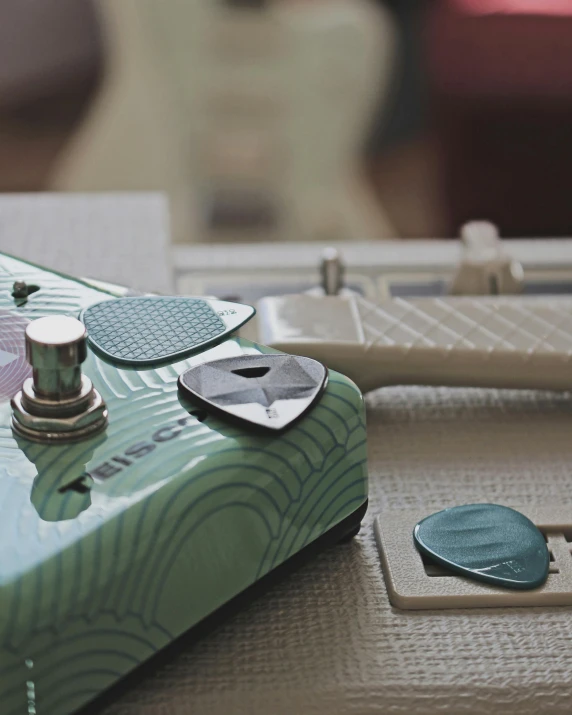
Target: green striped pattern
{"type": "Point", "coordinates": [173, 515]}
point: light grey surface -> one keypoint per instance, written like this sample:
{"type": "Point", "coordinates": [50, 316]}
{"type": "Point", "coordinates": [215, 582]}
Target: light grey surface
{"type": "Point", "coordinates": [375, 269]}
{"type": "Point", "coordinates": [120, 238]}
{"type": "Point", "coordinates": [369, 256]}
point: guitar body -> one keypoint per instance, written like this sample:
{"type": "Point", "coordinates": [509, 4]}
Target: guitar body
{"type": "Point", "coordinates": [115, 546]}
{"type": "Point", "coordinates": [251, 119]}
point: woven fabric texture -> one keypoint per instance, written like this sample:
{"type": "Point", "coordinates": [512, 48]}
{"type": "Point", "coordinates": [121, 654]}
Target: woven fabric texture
{"type": "Point", "coordinates": [327, 639]}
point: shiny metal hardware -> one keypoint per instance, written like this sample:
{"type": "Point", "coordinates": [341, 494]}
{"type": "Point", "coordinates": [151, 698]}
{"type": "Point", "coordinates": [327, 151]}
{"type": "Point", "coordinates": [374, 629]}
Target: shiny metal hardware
{"type": "Point", "coordinates": [58, 403]}
{"type": "Point", "coordinates": [332, 271]}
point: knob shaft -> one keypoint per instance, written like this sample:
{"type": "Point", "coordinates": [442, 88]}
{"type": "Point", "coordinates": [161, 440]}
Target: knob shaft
{"type": "Point", "coordinates": [58, 403]}
{"type": "Point", "coordinates": [55, 347]}
{"type": "Point", "coordinates": [332, 270]}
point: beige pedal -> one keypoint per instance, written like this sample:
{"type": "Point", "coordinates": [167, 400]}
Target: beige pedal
{"type": "Point", "coordinates": [498, 342]}
{"type": "Point", "coordinates": [416, 585]}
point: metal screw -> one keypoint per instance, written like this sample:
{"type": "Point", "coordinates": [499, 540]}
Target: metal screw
{"type": "Point", "coordinates": [332, 270]}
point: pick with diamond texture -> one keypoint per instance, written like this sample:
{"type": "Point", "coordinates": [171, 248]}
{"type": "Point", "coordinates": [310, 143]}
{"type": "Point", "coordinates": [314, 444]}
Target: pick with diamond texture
{"type": "Point", "coordinates": [486, 542]}
{"type": "Point", "coordinates": [146, 330]}
{"type": "Point", "coordinates": [270, 392]}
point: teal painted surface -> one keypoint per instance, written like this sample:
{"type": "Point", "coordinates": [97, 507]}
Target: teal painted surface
{"type": "Point", "coordinates": [178, 515]}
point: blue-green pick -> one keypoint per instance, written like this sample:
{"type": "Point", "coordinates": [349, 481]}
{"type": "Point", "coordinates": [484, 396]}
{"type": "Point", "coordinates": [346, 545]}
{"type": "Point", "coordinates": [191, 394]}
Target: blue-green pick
{"type": "Point", "coordinates": [486, 542]}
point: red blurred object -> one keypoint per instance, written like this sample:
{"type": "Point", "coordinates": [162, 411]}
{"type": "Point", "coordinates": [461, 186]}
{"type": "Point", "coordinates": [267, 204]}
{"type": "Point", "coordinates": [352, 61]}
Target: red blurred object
{"type": "Point", "coordinates": [501, 81]}
{"type": "Point", "coordinates": [520, 7]}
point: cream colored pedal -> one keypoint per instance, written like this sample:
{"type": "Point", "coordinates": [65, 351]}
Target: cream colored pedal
{"type": "Point", "coordinates": [498, 342]}
{"type": "Point", "coordinates": [415, 584]}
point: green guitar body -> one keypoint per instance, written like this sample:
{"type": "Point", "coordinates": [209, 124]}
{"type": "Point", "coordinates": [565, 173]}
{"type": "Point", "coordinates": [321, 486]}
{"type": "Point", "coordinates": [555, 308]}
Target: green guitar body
{"type": "Point", "coordinates": [112, 548]}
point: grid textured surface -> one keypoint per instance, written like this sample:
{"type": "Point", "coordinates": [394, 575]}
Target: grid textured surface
{"type": "Point", "coordinates": [148, 329]}
{"type": "Point", "coordinates": [471, 325]}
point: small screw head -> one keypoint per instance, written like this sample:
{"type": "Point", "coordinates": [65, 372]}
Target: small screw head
{"type": "Point", "coordinates": [20, 289]}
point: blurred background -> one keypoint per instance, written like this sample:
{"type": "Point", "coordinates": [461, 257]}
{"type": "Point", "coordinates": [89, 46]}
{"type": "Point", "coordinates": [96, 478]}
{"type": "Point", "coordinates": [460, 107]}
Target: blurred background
{"type": "Point", "coordinates": [296, 119]}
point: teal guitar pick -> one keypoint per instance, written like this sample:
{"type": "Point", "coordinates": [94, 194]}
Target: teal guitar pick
{"type": "Point", "coordinates": [486, 542]}
{"type": "Point", "coordinates": [147, 330]}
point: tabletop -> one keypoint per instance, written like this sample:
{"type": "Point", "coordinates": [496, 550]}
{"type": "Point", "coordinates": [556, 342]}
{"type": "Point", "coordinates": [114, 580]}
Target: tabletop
{"type": "Point", "coordinates": [327, 639]}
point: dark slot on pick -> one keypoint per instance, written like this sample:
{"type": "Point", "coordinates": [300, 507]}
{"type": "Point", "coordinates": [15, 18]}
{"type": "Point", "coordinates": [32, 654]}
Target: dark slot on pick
{"type": "Point", "coordinates": [252, 372]}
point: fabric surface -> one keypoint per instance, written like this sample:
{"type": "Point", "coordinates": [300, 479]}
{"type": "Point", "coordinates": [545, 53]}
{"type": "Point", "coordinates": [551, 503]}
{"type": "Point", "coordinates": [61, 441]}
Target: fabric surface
{"type": "Point", "coordinates": [327, 639]}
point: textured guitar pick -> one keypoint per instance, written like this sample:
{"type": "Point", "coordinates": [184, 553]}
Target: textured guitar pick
{"type": "Point", "coordinates": [147, 329]}
{"type": "Point", "coordinates": [486, 542]}
{"type": "Point", "coordinates": [270, 392]}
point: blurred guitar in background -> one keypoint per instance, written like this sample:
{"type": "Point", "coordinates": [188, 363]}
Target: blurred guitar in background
{"type": "Point", "coordinates": [251, 115]}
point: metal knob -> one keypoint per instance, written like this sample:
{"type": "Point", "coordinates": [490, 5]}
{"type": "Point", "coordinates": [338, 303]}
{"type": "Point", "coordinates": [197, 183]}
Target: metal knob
{"type": "Point", "coordinates": [55, 348]}
{"type": "Point", "coordinates": [57, 403]}
{"type": "Point", "coordinates": [332, 270]}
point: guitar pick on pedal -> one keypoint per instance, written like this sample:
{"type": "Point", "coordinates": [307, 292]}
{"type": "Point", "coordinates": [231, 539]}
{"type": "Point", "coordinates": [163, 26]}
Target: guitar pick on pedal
{"type": "Point", "coordinates": [130, 512]}
{"type": "Point", "coordinates": [268, 392]}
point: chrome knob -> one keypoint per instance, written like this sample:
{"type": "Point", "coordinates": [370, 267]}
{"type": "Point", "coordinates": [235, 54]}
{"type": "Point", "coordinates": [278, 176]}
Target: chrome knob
{"type": "Point", "coordinates": [55, 348]}
{"type": "Point", "coordinates": [57, 403]}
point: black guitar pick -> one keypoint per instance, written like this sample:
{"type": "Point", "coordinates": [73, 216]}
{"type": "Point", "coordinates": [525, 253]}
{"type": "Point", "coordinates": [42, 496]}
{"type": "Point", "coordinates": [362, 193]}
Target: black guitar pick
{"type": "Point", "coordinates": [270, 392]}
